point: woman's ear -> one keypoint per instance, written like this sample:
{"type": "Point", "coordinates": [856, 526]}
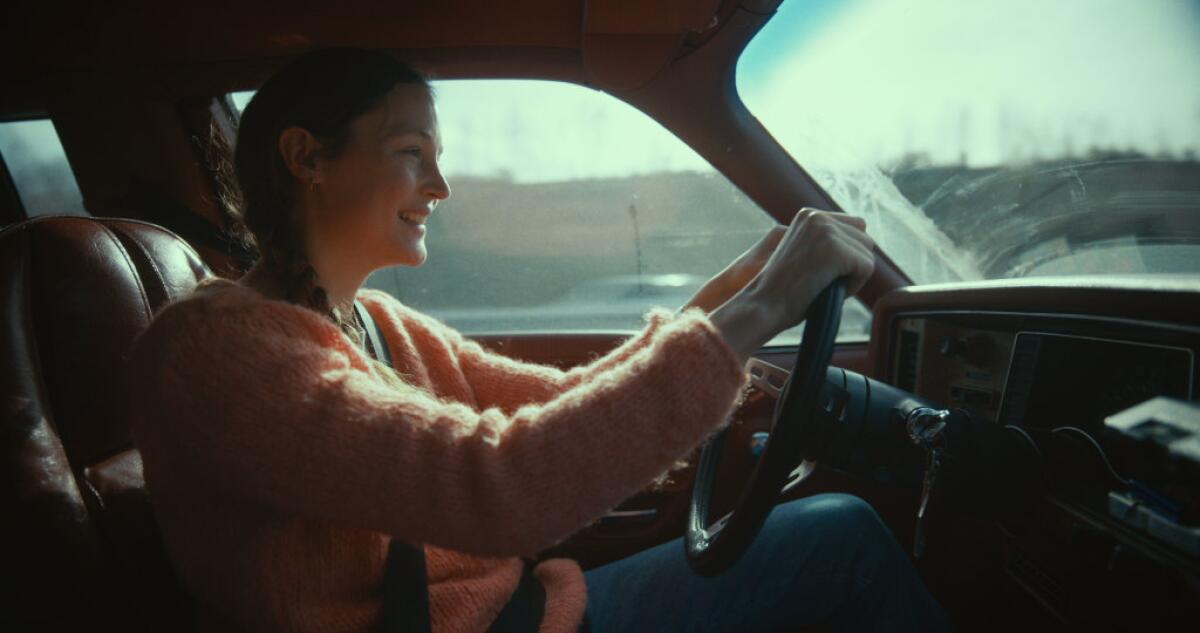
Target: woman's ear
{"type": "Point", "coordinates": [300, 150]}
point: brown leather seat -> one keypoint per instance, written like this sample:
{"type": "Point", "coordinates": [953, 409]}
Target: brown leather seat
{"type": "Point", "coordinates": [80, 547]}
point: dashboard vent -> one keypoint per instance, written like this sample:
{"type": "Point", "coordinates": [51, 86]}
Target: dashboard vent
{"type": "Point", "coordinates": [906, 363]}
{"type": "Point", "coordinates": [1020, 380]}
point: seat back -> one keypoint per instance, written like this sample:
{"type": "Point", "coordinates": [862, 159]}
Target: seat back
{"type": "Point", "coordinates": [79, 542]}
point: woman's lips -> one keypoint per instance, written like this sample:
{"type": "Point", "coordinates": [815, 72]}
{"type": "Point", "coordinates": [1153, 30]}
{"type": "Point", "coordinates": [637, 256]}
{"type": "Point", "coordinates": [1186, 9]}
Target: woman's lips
{"type": "Point", "coordinates": [415, 219]}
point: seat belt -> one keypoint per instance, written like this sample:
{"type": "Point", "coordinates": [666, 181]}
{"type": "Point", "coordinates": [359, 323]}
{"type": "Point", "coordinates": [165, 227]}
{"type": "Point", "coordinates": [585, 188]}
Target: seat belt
{"type": "Point", "coordinates": [405, 585]}
{"type": "Point", "coordinates": [375, 343]}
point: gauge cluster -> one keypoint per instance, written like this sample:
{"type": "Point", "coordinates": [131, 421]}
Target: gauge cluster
{"type": "Point", "coordinates": [1057, 380]}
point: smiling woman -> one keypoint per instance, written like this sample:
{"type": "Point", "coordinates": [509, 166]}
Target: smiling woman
{"type": "Point", "coordinates": [310, 498]}
{"type": "Point", "coordinates": [996, 139]}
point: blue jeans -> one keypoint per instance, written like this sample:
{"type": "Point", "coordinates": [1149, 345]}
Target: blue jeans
{"type": "Point", "coordinates": [825, 561]}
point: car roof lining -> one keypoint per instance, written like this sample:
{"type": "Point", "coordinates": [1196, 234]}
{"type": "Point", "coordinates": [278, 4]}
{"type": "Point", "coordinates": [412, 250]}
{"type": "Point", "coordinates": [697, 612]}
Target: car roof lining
{"type": "Point", "coordinates": [195, 40]}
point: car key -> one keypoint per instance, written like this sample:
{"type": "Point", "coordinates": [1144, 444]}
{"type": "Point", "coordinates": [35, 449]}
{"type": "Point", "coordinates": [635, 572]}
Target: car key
{"type": "Point", "coordinates": [925, 428]}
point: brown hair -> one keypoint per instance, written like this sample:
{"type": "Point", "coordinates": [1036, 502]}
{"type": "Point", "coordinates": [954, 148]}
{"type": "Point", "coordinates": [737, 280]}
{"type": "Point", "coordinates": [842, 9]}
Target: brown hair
{"type": "Point", "coordinates": [323, 92]}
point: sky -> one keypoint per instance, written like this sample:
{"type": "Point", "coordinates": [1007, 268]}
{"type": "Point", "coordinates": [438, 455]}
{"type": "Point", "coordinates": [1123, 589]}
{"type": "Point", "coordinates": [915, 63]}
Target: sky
{"type": "Point", "coordinates": [982, 82]}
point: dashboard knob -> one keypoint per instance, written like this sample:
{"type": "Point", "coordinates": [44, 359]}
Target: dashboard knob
{"type": "Point", "coordinates": [952, 346]}
{"type": "Point", "coordinates": [976, 350]}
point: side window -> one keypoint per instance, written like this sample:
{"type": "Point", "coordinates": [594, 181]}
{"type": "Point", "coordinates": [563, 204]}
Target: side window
{"type": "Point", "coordinates": [39, 169]}
{"type": "Point", "coordinates": [571, 211]}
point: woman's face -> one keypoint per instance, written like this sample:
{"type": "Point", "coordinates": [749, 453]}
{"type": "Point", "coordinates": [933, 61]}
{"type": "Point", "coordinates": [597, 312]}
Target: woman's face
{"type": "Point", "coordinates": [375, 196]}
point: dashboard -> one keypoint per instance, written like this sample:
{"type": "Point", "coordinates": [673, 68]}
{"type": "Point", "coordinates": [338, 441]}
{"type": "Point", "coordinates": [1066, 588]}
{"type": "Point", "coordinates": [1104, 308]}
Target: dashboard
{"type": "Point", "coordinates": [1042, 371]}
{"type": "Point", "coordinates": [1055, 357]}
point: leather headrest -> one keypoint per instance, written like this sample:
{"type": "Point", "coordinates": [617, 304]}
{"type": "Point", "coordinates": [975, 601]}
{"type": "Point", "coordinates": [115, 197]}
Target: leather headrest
{"type": "Point", "coordinates": [76, 292]}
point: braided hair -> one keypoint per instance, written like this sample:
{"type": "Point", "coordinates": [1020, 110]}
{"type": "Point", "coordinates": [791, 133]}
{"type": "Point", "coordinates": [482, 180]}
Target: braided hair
{"type": "Point", "coordinates": [323, 92]}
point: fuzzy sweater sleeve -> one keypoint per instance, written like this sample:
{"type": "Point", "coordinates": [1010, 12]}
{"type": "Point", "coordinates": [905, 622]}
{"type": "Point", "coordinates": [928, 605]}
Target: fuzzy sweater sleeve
{"type": "Point", "coordinates": [498, 381]}
{"type": "Point", "coordinates": [270, 404]}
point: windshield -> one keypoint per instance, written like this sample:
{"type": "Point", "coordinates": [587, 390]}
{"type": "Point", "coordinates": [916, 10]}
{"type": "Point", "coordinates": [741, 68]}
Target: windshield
{"type": "Point", "coordinates": [995, 139]}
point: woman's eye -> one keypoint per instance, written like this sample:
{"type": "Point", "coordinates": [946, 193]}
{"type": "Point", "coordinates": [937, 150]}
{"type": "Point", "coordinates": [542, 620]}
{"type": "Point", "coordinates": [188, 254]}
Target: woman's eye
{"type": "Point", "coordinates": [412, 151]}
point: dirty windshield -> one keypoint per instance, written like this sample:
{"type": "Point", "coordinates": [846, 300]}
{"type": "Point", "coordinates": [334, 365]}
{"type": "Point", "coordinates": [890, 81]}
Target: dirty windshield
{"type": "Point", "coordinates": [995, 139]}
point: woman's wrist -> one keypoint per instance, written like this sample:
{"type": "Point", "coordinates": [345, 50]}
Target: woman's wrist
{"type": "Point", "coordinates": [744, 322]}
{"type": "Point", "coordinates": [712, 294]}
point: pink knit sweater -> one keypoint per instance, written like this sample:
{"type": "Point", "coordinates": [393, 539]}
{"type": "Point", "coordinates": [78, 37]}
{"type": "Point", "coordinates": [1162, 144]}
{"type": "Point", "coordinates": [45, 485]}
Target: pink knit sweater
{"type": "Point", "coordinates": [280, 460]}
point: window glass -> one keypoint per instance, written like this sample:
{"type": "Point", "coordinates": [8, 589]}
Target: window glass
{"type": "Point", "coordinates": [571, 211]}
{"type": "Point", "coordinates": [995, 138]}
{"type": "Point", "coordinates": [39, 168]}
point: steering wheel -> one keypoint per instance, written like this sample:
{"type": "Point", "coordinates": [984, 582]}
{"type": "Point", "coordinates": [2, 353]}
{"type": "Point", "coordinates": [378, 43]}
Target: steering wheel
{"type": "Point", "coordinates": [711, 549]}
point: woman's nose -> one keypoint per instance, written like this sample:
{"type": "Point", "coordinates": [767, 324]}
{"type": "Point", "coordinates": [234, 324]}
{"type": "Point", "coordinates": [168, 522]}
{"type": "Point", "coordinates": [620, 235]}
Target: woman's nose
{"type": "Point", "coordinates": [436, 186]}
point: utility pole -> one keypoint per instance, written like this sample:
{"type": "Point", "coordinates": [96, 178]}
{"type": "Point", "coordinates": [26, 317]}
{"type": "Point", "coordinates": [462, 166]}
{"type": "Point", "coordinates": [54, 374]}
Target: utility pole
{"type": "Point", "coordinates": [637, 243]}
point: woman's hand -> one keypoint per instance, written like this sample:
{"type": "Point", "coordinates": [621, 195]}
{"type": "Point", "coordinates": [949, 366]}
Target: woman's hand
{"type": "Point", "coordinates": [736, 275]}
{"type": "Point", "coordinates": [817, 248]}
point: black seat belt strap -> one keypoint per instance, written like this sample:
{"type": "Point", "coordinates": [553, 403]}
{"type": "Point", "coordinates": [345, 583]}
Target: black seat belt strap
{"type": "Point", "coordinates": [405, 585]}
{"type": "Point", "coordinates": [405, 590]}
{"type": "Point", "coordinates": [524, 610]}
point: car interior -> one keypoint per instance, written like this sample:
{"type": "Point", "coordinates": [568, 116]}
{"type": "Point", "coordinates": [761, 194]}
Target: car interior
{"type": "Point", "coordinates": [1061, 410]}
